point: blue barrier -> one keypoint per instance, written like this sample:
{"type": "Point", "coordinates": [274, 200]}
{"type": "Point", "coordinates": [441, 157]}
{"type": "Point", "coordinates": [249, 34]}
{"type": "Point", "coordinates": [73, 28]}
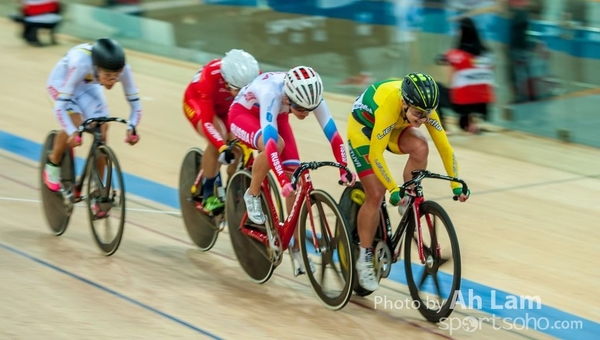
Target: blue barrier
{"type": "Point", "coordinates": [585, 42]}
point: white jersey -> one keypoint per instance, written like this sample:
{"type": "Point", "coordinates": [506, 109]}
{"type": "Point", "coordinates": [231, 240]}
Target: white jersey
{"type": "Point", "coordinates": [264, 97]}
{"type": "Point", "coordinates": [75, 74]}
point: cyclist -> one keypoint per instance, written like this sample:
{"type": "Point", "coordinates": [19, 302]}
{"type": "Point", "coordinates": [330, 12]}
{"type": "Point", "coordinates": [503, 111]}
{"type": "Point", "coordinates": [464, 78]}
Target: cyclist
{"type": "Point", "coordinates": [75, 87]}
{"type": "Point", "coordinates": [206, 104]}
{"type": "Point", "coordinates": [387, 116]}
{"type": "Point", "coordinates": [259, 116]}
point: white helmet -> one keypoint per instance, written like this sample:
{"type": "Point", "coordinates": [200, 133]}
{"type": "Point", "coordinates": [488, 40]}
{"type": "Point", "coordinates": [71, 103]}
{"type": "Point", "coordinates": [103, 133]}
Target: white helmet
{"type": "Point", "coordinates": [239, 68]}
{"type": "Point", "coordinates": [304, 87]}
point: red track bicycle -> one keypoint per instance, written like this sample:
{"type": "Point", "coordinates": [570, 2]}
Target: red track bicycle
{"type": "Point", "coordinates": [323, 232]}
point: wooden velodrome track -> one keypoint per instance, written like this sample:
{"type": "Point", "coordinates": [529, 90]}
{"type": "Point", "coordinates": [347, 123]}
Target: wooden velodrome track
{"type": "Point", "coordinates": [529, 229]}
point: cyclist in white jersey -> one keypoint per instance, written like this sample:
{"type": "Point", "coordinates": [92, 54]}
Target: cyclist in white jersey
{"type": "Point", "coordinates": [259, 116]}
{"type": "Point", "coordinates": [75, 86]}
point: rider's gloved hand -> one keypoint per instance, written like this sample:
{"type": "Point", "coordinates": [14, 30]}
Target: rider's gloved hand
{"type": "Point", "coordinates": [130, 138]}
{"type": "Point", "coordinates": [344, 178]}
{"type": "Point", "coordinates": [395, 197]}
{"type": "Point", "coordinates": [287, 189]}
{"type": "Point", "coordinates": [461, 197]}
{"type": "Point", "coordinates": [226, 155]}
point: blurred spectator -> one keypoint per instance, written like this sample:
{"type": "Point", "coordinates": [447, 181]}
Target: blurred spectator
{"type": "Point", "coordinates": [36, 14]}
{"type": "Point", "coordinates": [409, 18]}
{"type": "Point", "coordinates": [471, 78]}
{"type": "Point", "coordinates": [519, 52]}
{"type": "Point", "coordinates": [481, 11]}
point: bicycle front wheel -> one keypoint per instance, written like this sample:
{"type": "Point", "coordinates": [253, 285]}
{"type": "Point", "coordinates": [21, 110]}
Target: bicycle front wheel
{"type": "Point", "coordinates": [326, 241]}
{"type": "Point", "coordinates": [106, 199]}
{"type": "Point", "coordinates": [435, 284]}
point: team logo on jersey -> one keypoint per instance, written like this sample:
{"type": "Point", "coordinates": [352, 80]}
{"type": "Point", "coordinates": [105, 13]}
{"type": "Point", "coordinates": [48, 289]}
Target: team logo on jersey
{"type": "Point", "coordinates": [385, 131]}
{"type": "Point", "coordinates": [249, 96]}
{"type": "Point", "coordinates": [242, 134]}
{"type": "Point", "coordinates": [436, 124]}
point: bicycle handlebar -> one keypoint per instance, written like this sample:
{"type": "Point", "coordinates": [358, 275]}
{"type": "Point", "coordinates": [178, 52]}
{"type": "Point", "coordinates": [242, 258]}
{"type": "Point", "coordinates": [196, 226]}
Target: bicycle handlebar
{"type": "Point", "coordinates": [419, 175]}
{"type": "Point", "coordinates": [314, 166]}
{"type": "Point", "coordinates": [103, 120]}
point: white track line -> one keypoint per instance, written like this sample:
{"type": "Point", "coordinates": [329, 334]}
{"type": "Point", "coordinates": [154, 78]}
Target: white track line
{"type": "Point", "coordinates": [151, 211]}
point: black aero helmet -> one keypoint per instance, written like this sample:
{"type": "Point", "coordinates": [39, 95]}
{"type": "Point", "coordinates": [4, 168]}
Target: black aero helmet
{"type": "Point", "coordinates": [421, 91]}
{"type": "Point", "coordinates": [108, 54]}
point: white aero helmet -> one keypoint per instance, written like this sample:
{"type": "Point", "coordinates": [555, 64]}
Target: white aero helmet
{"type": "Point", "coordinates": [239, 68]}
{"type": "Point", "coordinates": [304, 87]}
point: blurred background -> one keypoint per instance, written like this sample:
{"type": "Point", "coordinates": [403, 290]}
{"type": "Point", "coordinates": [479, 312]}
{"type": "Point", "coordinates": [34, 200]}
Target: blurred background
{"type": "Point", "coordinates": [544, 53]}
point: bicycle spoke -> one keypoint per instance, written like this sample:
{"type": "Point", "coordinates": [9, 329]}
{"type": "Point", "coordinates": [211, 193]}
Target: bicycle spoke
{"type": "Point", "coordinates": [436, 283]}
{"type": "Point", "coordinates": [424, 276]}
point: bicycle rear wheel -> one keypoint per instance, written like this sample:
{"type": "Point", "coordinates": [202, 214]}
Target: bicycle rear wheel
{"type": "Point", "coordinates": [106, 199]}
{"type": "Point", "coordinates": [252, 255]}
{"type": "Point", "coordinates": [350, 208]}
{"type": "Point", "coordinates": [334, 249]}
{"type": "Point", "coordinates": [435, 300]}
{"type": "Point", "coordinates": [56, 206]}
{"type": "Point", "coordinates": [200, 227]}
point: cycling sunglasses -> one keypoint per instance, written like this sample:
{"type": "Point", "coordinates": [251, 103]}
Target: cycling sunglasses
{"type": "Point", "coordinates": [420, 113]}
{"type": "Point", "coordinates": [231, 87]}
{"type": "Point", "coordinates": [300, 108]}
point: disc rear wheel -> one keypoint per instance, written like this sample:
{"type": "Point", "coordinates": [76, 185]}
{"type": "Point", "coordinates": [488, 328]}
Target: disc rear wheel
{"type": "Point", "coordinates": [253, 256]}
{"type": "Point", "coordinates": [57, 207]}
{"type": "Point", "coordinates": [200, 227]}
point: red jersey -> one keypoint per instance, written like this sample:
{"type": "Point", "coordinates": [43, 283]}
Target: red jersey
{"type": "Point", "coordinates": [209, 92]}
{"type": "Point", "coordinates": [473, 78]}
{"type": "Point", "coordinates": [37, 7]}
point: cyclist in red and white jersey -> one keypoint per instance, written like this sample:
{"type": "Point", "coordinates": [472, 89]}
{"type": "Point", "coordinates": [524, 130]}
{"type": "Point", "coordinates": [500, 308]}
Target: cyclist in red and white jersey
{"type": "Point", "coordinates": [259, 116]}
{"type": "Point", "coordinates": [75, 86]}
{"type": "Point", "coordinates": [206, 105]}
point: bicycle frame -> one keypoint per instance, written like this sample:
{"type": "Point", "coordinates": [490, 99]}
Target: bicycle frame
{"type": "Point", "coordinates": [97, 133]}
{"type": "Point", "coordinates": [286, 228]}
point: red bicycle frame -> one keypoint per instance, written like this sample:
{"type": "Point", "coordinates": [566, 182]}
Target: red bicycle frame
{"type": "Point", "coordinates": [284, 229]}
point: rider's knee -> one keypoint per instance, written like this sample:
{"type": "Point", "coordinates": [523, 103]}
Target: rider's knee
{"type": "Point", "coordinates": [104, 132]}
{"type": "Point", "coordinates": [373, 195]}
{"type": "Point", "coordinates": [419, 148]}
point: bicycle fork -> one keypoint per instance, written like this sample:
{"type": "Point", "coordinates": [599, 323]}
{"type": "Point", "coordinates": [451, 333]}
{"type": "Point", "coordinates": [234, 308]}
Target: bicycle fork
{"type": "Point", "coordinates": [417, 213]}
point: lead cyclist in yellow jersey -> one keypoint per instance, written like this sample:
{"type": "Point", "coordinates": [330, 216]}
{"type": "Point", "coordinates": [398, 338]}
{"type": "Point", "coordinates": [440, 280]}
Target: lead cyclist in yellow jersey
{"type": "Point", "coordinates": [387, 116]}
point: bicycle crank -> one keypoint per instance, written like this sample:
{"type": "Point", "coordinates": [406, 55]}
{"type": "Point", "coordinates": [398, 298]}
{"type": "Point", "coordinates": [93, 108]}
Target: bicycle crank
{"type": "Point", "coordinates": [275, 246]}
{"type": "Point", "coordinates": [67, 196]}
{"type": "Point", "coordinates": [383, 260]}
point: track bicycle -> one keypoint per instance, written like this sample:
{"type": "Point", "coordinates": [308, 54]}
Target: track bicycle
{"type": "Point", "coordinates": [433, 259]}
{"type": "Point", "coordinates": [105, 196]}
{"type": "Point", "coordinates": [259, 248]}
{"type": "Point", "coordinates": [203, 227]}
